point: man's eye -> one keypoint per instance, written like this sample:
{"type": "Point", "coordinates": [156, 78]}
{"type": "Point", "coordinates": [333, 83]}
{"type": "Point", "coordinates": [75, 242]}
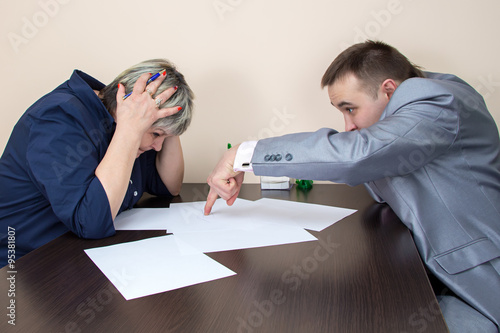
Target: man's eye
{"type": "Point", "coordinates": [350, 110]}
{"type": "Point", "coordinates": [156, 134]}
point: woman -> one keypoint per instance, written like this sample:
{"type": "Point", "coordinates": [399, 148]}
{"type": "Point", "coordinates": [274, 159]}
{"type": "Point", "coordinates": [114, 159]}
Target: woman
{"type": "Point", "coordinates": [85, 152]}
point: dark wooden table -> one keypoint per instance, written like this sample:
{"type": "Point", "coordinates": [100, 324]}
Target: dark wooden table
{"type": "Point", "coordinates": [363, 275]}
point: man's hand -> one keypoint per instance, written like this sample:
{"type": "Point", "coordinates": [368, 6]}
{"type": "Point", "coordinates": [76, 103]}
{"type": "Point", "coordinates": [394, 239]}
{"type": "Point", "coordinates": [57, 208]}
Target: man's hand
{"type": "Point", "coordinates": [224, 181]}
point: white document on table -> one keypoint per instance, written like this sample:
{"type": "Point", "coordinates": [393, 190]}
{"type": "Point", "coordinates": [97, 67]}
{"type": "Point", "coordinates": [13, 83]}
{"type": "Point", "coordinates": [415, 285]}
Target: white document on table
{"type": "Point", "coordinates": [246, 224]}
{"type": "Point", "coordinates": [178, 217]}
{"type": "Point", "coordinates": [155, 265]}
{"type": "Point", "coordinates": [308, 216]}
{"type": "Point", "coordinates": [142, 219]}
{"type": "Point", "coordinates": [190, 217]}
{"type": "Point", "coordinates": [260, 234]}
{"type": "Point", "coordinates": [165, 263]}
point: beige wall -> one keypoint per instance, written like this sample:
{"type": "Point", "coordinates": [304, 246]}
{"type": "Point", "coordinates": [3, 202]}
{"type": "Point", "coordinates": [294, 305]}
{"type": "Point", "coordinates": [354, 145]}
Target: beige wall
{"type": "Point", "coordinates": [255, 66]}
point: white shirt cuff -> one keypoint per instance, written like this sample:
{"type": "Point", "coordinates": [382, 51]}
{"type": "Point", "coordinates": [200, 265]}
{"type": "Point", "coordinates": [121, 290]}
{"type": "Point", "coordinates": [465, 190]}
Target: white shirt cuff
{"type": "Point", "coordinates": [244, 156]}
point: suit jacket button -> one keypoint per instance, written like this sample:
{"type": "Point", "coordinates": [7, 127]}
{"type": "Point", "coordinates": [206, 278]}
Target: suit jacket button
{"type": "Point", "coordinates": [288, 157]}
{"type": "Point", "coordinates": [273, 157]}
{"type": "Point", "coordinates": [278, 157]}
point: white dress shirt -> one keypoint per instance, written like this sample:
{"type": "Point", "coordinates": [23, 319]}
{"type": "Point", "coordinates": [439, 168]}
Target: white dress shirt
{"type": "Point", "coordinates": [244, 156]}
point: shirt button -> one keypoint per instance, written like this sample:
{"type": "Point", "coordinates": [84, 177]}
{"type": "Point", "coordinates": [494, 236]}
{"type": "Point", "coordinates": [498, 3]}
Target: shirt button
{"type": "Point", "coordinates": [131, 182]}
{"type": "Point", "coordinates": [135, 193]}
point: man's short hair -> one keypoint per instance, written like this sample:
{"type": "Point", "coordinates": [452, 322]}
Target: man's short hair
{"type": "Point", "coordinates": [372, 62]}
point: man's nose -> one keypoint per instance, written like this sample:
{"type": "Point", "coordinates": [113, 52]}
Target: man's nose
{"type": "Point", "coordinates": [349, 124]}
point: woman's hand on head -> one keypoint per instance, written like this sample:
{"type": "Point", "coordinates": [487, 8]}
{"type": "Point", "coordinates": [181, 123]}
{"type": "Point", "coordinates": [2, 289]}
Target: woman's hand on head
{"type": "Point", "coordinates": [140, 110]}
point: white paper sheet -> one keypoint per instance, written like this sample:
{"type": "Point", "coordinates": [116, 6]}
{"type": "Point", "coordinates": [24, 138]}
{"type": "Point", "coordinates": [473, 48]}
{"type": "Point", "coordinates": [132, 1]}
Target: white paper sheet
{"type": "Point", "coordinates": [178, 217]}
{"type": "Point", "coordinates": [245, 236]}
{"type": "Point", "coordinates": [246, 224]}
{"type": "Point", "coordinates": [308, 216]}
{"type": "Point", "coordinates": [190, 218]}
{"type": "Point", "coordinates": [136, 270]}
{"type": "Point", "coordinates": [142, 219]}
{"type": "Point", "coordinates": [155, 265]}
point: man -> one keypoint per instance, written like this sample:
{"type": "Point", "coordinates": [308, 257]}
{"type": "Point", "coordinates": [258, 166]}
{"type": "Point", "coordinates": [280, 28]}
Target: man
{"type": "Point", "coordinates": [425, 144]}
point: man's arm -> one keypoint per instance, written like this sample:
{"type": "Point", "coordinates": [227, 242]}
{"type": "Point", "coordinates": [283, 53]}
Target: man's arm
{"type": "Point", "coordinates": [411, 136]}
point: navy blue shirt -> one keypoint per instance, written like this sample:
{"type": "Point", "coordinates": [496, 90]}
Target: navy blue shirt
{"type": "Point", "coordinates": [47, 171]}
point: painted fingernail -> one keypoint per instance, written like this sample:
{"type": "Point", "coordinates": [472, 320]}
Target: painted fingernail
{"type": "Point", "coordinates": [176, 87]}
{"type": "Point", "coordinates": [118, 86]}
{"type": "Point", "coordinates": [164, 72]}
{"type": "Point", "coordinates": [179, 108]}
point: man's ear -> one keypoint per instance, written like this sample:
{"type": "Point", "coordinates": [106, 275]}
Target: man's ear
{"type": "Point", "coordinates": [388, 87]}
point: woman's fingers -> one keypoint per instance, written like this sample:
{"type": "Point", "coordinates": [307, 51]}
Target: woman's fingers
{"type": "Point", "coordinates": [165, 95]}
{"type": "Point", "coordinates": [156, 81]}
{"type": "Point", "coordinates": [162, 98]}
{"type": "Point", "coordinates": [140, 84]}
{"type": "Point", "coordinates": [120, 93]}
{"type": "Point", "coordinates": [142, 94]}
{"type": "Point", "coordinates": [165, 112]}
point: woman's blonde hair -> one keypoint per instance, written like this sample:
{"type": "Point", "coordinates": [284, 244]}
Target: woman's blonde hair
{"type": "Point", "coordinates": [175, 124]}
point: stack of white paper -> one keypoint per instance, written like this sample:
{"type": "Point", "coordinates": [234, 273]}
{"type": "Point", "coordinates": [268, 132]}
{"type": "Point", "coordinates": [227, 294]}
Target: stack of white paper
{"type": "Point", "coordinates": [182, 262]}
{"type": "Point", "coordinates": [275, 183]}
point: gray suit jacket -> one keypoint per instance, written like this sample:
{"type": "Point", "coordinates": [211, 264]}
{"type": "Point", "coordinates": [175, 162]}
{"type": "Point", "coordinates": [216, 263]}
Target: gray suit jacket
{"type": "Point", "coordinates": [434, 157]}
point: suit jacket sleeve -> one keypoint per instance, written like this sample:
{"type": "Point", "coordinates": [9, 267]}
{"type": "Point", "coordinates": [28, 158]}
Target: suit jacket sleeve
{"type": "Point", "coordinates": [412, 131]}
